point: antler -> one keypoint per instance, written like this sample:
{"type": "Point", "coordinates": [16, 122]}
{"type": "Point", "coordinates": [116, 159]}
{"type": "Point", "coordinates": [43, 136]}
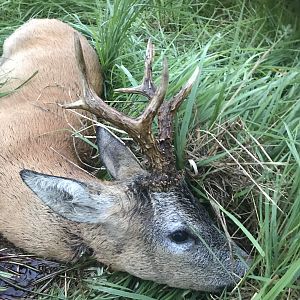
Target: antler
{"type": "Point", "coordinates": [160, 152]}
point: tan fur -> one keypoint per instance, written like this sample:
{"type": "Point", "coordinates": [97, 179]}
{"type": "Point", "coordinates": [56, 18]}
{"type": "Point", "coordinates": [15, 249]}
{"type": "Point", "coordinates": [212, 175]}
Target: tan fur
{"type": "Point", "coordinates": [32, 124]}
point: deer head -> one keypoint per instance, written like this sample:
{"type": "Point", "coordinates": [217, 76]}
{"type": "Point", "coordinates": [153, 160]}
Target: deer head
{"type": "Point", "coordinates": [147, 223]}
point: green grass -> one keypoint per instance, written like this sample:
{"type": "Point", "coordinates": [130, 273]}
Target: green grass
{"type": "Point", "coordinates": [240, 127]}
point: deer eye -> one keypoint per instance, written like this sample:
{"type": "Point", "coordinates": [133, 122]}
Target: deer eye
{"type": "Point", "coordinates": [181, 236]}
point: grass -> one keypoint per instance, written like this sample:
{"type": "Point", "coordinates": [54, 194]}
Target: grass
{"type": "Point", "coordinates": [237, 135]}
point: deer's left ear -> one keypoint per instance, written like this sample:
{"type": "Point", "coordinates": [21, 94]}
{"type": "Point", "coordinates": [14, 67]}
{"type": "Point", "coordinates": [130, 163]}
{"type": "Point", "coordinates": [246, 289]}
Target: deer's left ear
{"type": "Point", "coordinates": [70, 198]}
{"type": "Point", "coordinates": [120, 162]}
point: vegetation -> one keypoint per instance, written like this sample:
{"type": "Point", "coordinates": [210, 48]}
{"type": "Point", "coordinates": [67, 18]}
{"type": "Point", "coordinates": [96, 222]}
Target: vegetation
{"type": "Point", "coordinates": [237, 134]}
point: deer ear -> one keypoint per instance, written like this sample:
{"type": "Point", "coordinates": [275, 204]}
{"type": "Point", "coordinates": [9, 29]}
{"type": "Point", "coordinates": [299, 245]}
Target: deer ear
{"type": "Point", "coordinates": [68, 197]}
{"type": "Point", "coordinates": [120, 162]}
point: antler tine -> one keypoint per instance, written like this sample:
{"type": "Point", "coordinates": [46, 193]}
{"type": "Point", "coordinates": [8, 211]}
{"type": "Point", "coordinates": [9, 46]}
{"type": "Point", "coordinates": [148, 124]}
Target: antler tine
{"type": "Point", "coordinates": [158, 98]}
{"type": "Point", "coordinates": [147, 88]}
{"type": "Point", "coordinates": [176, 101]}
{"type": "Point", "coordinates": [165, 116]}
{"type": "Point", "coordinates": [91, 101]}
{"type": "Point", "coordinates": [81, 104]}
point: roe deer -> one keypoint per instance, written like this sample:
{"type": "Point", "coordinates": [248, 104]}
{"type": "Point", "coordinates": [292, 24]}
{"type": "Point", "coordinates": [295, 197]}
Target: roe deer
{"type": "Point", "coordinates": [146, 223]}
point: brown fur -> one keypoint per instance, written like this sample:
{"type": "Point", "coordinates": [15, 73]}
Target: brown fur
{"type": "Point", "coordinates": [32, 124]}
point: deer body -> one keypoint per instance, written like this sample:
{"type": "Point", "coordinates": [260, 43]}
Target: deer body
{"type": "Point", "coordinates": [145, 223]}
{"type": "Point", "coordinates": [32, 124]}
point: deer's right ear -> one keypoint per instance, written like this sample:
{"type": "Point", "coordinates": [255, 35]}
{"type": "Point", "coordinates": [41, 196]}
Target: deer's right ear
{"type": "Point", "coordinates": [120, 162]}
